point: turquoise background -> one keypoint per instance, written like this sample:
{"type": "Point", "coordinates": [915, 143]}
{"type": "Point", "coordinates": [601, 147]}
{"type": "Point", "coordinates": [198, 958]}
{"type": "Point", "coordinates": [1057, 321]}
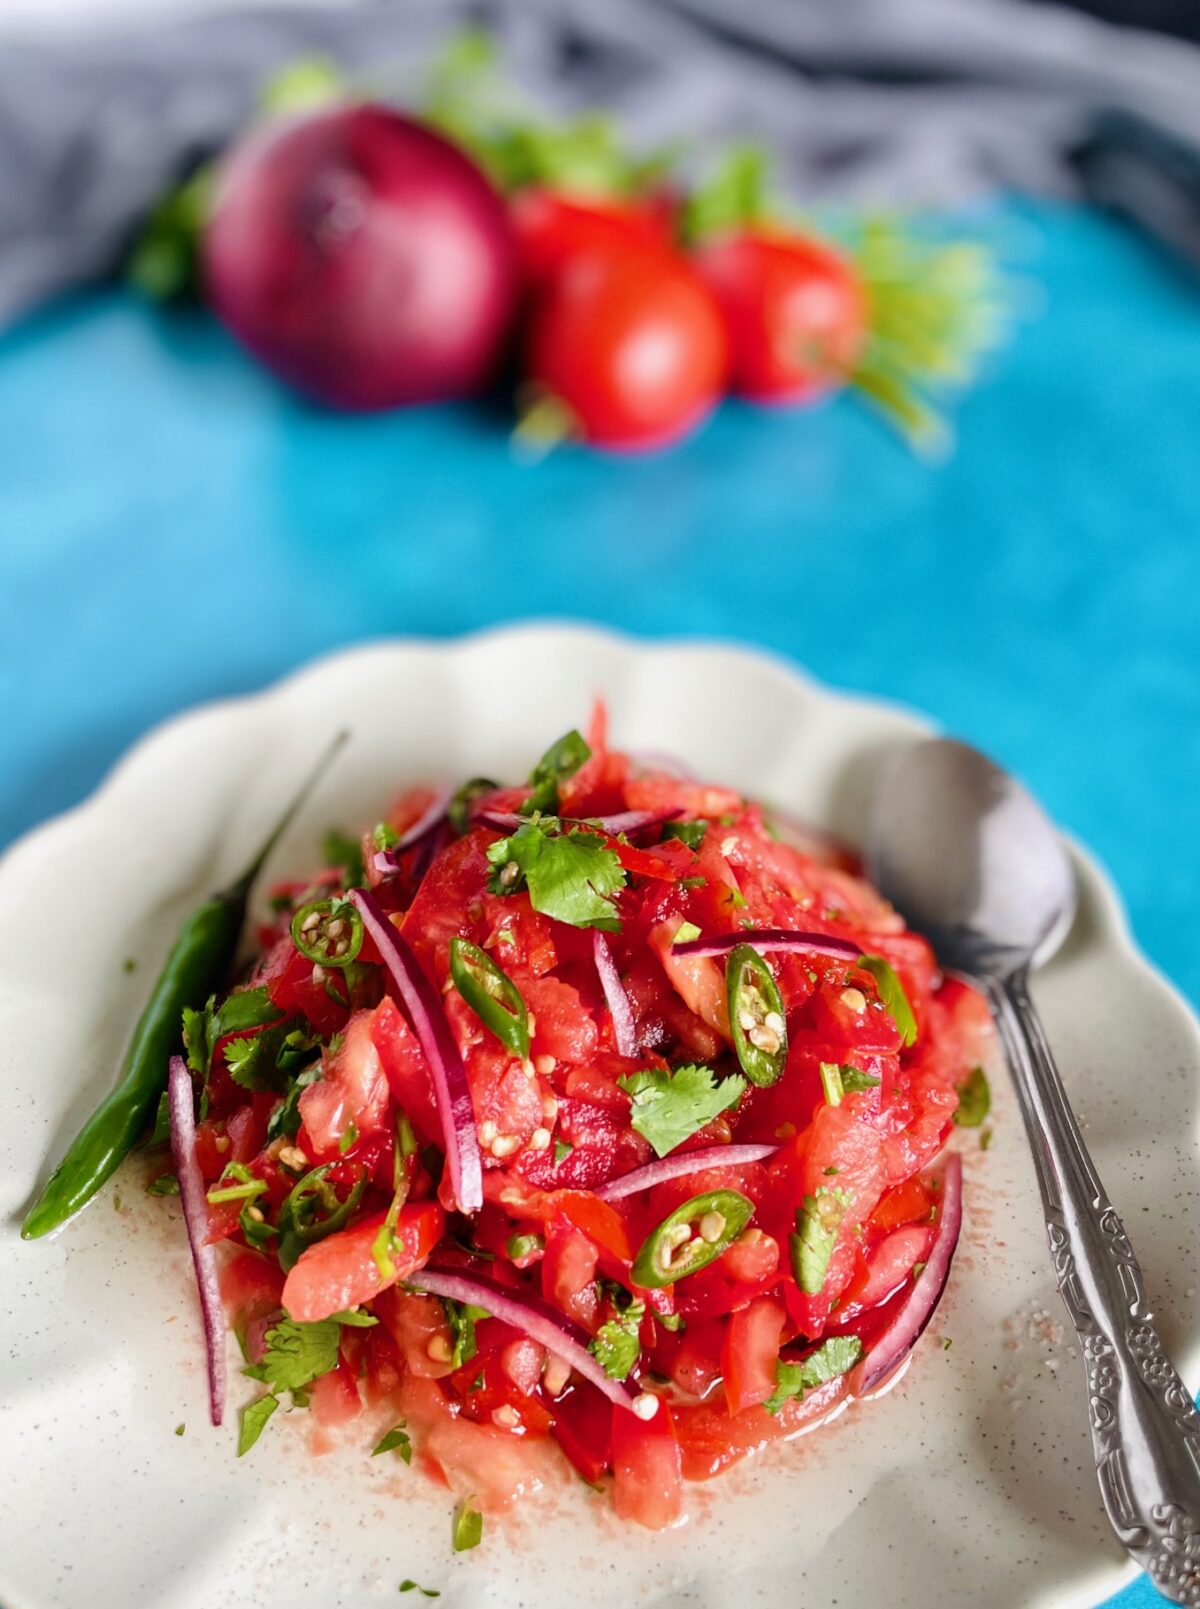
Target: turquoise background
{"type": "Point", "coordinates": [173, 528]}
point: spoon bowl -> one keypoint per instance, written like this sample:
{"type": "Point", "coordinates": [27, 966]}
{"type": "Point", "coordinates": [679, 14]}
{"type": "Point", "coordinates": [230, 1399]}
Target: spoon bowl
{"type": "Point", "coordinates": [970, 859]}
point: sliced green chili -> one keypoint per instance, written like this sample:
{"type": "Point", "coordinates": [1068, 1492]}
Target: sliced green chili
{"type": "Point", "coordinates": [692, 1237]}
{"type": "Point", "coordinates": [328, 932]}
{"type": "Point", "coordinates": [384, 1243]}
{"type": "Point", "coordinates": [459, 809]}
{"type": "Point", "coordinates": [491, 995]}
{"type": "Point", "coordinates": [811, 1246]}
{"type": "Point", "coordinates": [312, 1211]}
{"type": "Point", "coordinates": [756, 1016]}
{"type": "Point", "coordinates": [197, 965]}
{"type": "Point", "coordinates": [246, 1188]}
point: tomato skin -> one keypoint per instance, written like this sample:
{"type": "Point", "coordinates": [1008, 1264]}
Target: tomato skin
{"type": "Point", "coordinates": [794, 309]}
{"type": "Point", "coordinates": [751, 1352]}
{"type": "Point", "coordinates": [647, 1468]}
{"type": "Point", "coordinates": [583, 1423]}
{"type": "Point", "coordinates": [552, 227]}
{"type": "Point", "coordinates": [340, 1272]}
{"type": "Point", "coordinates": [632, 343]}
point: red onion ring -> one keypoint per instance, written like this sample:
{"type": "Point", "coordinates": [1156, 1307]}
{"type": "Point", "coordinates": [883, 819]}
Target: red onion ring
{"type": "Point", "coordinates": [678, 1167]}
{"type": "Point", "coordinates": [772, 938]}
{"type": "Point", "coordinates": [902, 1334]}
{"type": "Point", "coordinates": [195, 1218]}
{"type": "Point", "coordinates": [535, 1318]}
{"type": "Point", "coordinates": [624, 821]}
{"type": "Point", "coordinates": [455, 1106]}
{"type": "Point", "coordinates": [624, 1027]}
{"type": "Point", "coordinates": [387, 861]}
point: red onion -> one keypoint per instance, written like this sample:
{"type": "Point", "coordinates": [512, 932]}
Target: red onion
{"type": "Point", "coordinates": [433, 1033]}
{"type": "Point", "coordinates": [363, 258]}
{"type": "Point", "coordinates": [387, 861]}
{"type": "Point", "coordinates": [195, 1217]}
{"type": "Point", "coordinates": [902, 1334]}
{"type": "Point", "coordinates": [533, 1317]}
{"type": "Point", "coordinates": [678, 1167]}
{"type": "Point", "coordinates": [624, 1027]}
{"type": "Point", "coordinates": [771, 938]}
{"type": "Point", "coordinates": [623, 821]}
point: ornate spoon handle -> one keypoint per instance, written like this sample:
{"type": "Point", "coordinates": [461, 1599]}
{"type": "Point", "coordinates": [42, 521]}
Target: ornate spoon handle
{"type": "Point", "coordinates": [1145, 1431]}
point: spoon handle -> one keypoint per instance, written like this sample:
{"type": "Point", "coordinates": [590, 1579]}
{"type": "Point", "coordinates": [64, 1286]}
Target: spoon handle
{"type": "Point", "coordinates": [1145, 1431]}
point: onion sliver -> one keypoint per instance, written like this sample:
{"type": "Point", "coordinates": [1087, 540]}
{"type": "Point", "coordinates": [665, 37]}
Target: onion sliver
{"type": "Point", "coordinates": [195, 1217]}
{"type": "Point", "coordinates": [678, 1167]}
{"type": "Point", "coordinates": [902, 1334]}
{"type": "Point", "coordinates": [533, 1317]}
{"type": "Point", "coordinates": [624, 1026]}
{"type": "Point", "coordinates": [453, 1092]}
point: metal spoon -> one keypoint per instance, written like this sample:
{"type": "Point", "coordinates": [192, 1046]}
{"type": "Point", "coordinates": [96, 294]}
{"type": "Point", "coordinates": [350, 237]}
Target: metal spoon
{"type": "Point", "coordinates": [972, 861]}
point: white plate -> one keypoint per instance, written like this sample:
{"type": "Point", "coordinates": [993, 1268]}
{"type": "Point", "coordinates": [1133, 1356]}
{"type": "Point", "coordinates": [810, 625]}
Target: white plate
{"type": "Point", "coordinates": [969, 1483]}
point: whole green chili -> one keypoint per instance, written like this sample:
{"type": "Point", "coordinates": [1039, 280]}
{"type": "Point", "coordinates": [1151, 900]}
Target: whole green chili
{"type": "Point", "coordinates": [196, 966]}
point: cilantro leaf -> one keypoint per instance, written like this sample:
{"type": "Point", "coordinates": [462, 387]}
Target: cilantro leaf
{"type": "Point", "coordinates": [254, 1420]}
{"type": "Point", "coordinates": [974, 1100]}
{"type": "Point", "coordinates": [669, 1107]}
{"type": "Point", "coordinates": [396, 1441]}
{"type": "Point", "coordinates": [461, 1318]}
{"type": "Point", "coordinates": [855, 1082]}
{"type": "Point", "coordinates": [832, 1358]}
{"type": "Point", "coordinates": [285, 1119]}
{"type": "Point", "coordinates": [571, 876]}
{"type": "Point", "coordinates": [468, 1528]}
{"type": "Point", "coordinates": [415, 1586]}
{"type": "Point", "coordinates": [197, 1042]}
{"type": "Point", "coordinates": [244, 1008]}
{"type": "Point", "coordinates": [891, 993]}
{"type": "Point", "coordinates": [817, 1225]}
{"type": "Point", "coordinates": [616, 1345]}
{"type": "Point", "coordinates": [562, 1150]}
{"type": "Point", "coordinates": [688, 832]}
{"type": "Point", "coordinates": [560, 761]}
{"type": "Point", "coordinates": [297, 1354]}
{"type": "Point", "coordinates": [167, 1184]}
{"type": "Point", "coordinates": [345, 853]}
{"type": "Point", "coordinates": [251, 1060]}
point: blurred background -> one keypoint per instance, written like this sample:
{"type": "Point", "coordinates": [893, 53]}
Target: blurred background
{"type": "Point", "coordinates": [866, 333]}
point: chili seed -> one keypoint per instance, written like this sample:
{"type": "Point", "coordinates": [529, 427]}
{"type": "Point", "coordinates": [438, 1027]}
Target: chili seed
{"type": "Point", "coordinates": [854, 999]}
{"type": "Point", "coordinates": [712, 1227]}
{"type": "Point", "coordinates": [645, 1405]}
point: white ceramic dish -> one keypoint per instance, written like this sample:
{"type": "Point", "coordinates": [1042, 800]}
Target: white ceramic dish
{"type": "Point", "coordinates": [970, 1483]}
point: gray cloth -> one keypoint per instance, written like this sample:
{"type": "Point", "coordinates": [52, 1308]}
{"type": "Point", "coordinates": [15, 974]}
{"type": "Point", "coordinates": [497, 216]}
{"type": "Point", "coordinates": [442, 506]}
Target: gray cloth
{"type": "Point", "coordinates": [898, 101]}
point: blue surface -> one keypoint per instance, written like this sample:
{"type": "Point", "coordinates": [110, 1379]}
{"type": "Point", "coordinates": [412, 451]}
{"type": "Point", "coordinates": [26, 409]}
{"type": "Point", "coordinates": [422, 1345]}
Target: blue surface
{"type": "Point", "coordinates": [172, 527]}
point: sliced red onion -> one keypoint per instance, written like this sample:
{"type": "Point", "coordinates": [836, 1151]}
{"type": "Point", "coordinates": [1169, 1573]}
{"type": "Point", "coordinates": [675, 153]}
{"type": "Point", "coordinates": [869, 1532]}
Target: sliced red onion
{"type": "Point", "coordinates": [195, 1217]}
{"type": "Point", "coordinates": [387, 861]}
{"type": "Point", "coordinates": [433, 1033]}
{"type": "Point", "coordinates": [624, 1027]}
{"type": "Point", "coordinates": [897, 1341]}
{"type": "Point", "coordinates": [623, 821]}
{"type": "Point", "coordinates": [772, 938]}
{"type": "Point", "coordinates": [533, 1317]}
{"type": "Point", "coordinates": [678, 1167]}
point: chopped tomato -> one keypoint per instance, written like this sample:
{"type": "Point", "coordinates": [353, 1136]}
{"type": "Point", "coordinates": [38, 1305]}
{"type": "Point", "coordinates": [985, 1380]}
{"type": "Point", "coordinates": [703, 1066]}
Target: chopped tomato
{"type": "Point", "coordinates": [340, 1272]}
{"type": "Point", "coordinates": [751, 1352]}
{"type": "Point", "coordinates": [351, 1098]}
{"type": "Point", "coordinates": [647, 1468]}
{"type": "Point", "coordinates": [333, 1397]}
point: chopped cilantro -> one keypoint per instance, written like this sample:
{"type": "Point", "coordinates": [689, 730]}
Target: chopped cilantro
{"type": "Point", "coordinates": [165, 1185]}
{"type": "Point", "coordinates": [285, 1119]}
{"type": "Point", "coordinates": [415, 1586]}
{"type": "Point", "coordinates": [562, 1150]}
{"type": "Point", "coordinates": [195, 1037]}
{"type": "Point", "coordinates": [831, 1082]}
{"type": "Point", "coordinates": [974, 1100]}
{"type": "Point", "coordinates": [669, 1107]}
{"type": "Point", "coordinates": [688, 832]}
{"type": "Point", "coordinates": [685, 932]}
{"type": "Point", "coordinates": [855, 1082]}
{"type": "Point", "coordinates": [346, 854]}
{"type": "Point", "coordinates": [518, 1246]}
{"type": "Point", "coordinates": [832, 1358]}
{"type": "Point", "coordinates": [179, 1429]}
{"type": "Point", "coordinates": [571, 876]}
{"type": "Point", "coordinates": [128, 964]}
{"type": "Point", "coordinates": [254, 1421]}
{"type": "Point", "coordinates": [244, 1008]}
{"type": "Point", "coordinates": [817, 1225]}
{"type": "Point", "coordinates": [616, 1346]}
{"type": "Point", "coordinates": [396, 1441]}
{"type": "Point", "coordinates": [461, 1317]}
{"type": "Point", "coordinates": [349, 1137]}
{"type": "Point", "coordinates": [891, 993]}
{"type": "Point", "coordinates": [383, 836]}
{"type": "Point", "coordinates": [985, 1139]}
{"type": "Point", "coordinates": [468, 1528]}
{"type": "Point", "coordinates": [947, 1343]}
{"type": "Point", "coordinates": [560, 761]}
{"type": "Point", "coordinates": [297, 1354]}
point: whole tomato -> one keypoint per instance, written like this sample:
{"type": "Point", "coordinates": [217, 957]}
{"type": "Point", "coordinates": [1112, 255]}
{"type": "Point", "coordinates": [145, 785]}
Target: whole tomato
{"type": "Point", "coordinates": [630, 341]}
{"type": "Point", "coordinates": [794, 309]}
{"type": "Point", "coordinates": [552, 226]}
